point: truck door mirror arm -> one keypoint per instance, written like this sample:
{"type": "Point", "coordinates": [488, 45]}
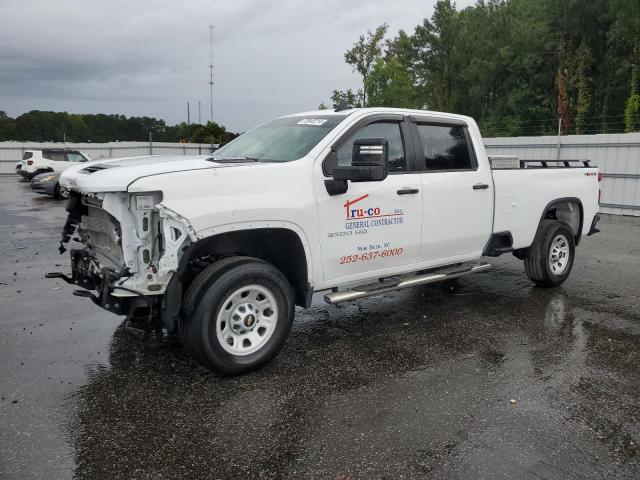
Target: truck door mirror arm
{"type": "Point", "coordinates": [369, 159]}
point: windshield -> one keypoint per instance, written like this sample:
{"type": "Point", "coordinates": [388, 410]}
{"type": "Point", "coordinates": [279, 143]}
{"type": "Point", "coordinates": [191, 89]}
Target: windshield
{"type": "Point", "coordinates": [280, 140]}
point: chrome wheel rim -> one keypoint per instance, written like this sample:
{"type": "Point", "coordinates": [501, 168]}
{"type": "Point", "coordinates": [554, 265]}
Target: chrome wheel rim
{"type": "Point", "coordinates": [246, 320]}
{"type": "Point", "coordinates": [559, 255]}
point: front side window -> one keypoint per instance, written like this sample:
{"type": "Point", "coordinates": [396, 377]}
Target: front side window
{"type": "Point", "coordinates": [280, 140]}
{"type": "Point", "coordinates": [27, 155]}
{"type": "Point", "coordinates": [445, 147]}
{"type": "Point", "coordinates": [387, 130]}
{"type": "Point", "coordinates": [75, 157]}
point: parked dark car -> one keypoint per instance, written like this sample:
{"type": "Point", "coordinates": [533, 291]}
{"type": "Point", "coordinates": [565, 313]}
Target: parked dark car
{"type": "Point", "coordinates": [48, 184]}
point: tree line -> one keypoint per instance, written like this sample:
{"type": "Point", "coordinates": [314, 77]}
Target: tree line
{"type": "Point", "coordinates": [41, 126]}
{"type": "Point", "coordinates": [519, 67]}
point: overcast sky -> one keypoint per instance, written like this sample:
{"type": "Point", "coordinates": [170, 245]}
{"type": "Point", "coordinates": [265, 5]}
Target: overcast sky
{"type": "Point", "coordinates": [149, 57]}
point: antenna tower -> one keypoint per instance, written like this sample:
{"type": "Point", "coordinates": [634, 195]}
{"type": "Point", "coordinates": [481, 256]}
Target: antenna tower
{"type": "Point", "coordinates": [211, 70]}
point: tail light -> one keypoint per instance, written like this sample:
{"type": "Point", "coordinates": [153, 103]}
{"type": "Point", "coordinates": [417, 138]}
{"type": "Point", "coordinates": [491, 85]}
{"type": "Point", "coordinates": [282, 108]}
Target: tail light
{"type": "Point", "coordinates": [29, 162]}
{"type": "Point", "coordinates": [600, 178]}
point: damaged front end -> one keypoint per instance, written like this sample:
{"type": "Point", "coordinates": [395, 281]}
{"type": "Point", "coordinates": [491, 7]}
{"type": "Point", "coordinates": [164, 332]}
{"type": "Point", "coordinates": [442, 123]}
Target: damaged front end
{"type": "Point", "coordinates": [129, 249]}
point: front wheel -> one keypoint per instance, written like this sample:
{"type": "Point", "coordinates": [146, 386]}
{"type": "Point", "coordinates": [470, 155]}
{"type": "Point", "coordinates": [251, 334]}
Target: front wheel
{"type": "Point", "coordinates": [550, 259]}
{"type": "Point", "coordinates": [241, 320]}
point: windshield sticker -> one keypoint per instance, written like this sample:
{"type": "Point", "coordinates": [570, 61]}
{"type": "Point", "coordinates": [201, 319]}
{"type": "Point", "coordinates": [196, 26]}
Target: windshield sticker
{"type": "Point", "coordinates": [314, 122]}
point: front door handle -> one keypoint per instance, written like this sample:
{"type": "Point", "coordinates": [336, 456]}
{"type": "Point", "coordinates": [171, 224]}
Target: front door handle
{"type": "Point", "coordinates": [480, 186]}
{"type": "Point", "coordinates": [407, 191]}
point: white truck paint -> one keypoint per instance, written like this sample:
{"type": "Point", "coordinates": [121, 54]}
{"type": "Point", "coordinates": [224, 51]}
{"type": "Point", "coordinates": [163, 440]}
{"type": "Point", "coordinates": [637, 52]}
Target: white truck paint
{"type": "Point", "coordinates": [427, 212]}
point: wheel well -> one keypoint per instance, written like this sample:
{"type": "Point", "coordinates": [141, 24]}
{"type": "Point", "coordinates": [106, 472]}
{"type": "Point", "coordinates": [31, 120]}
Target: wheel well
{"type": "Point", "coordinates": [279, 246]}
{"type": "Point", "coordinates": [566, 210]}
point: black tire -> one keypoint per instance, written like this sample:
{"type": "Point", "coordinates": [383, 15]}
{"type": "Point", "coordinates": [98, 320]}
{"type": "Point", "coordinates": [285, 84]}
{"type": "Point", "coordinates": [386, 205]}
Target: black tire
{"type": "Point", "coordinates": [537, 262]}
{"type": "Point", "coordinates": [206, 277]}
{"type": "Point", "coordinates": [199, 327]}
{"type": "Point", "coordinates": [56, 192]}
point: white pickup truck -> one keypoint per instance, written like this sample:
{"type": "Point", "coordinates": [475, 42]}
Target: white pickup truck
{"type": "Point", "coordinates": [220, 249]}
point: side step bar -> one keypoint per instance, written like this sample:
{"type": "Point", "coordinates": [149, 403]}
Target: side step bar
{"type": "Point", "coordinates": [406, 282]}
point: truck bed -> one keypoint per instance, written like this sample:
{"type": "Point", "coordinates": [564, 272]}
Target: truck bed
{"type": "Point", "coordinates": [524, 191]}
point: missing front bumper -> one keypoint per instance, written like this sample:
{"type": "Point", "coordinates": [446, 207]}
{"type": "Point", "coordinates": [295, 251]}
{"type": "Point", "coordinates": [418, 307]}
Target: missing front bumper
{"type": "Point", "coordinates": [83, 275]}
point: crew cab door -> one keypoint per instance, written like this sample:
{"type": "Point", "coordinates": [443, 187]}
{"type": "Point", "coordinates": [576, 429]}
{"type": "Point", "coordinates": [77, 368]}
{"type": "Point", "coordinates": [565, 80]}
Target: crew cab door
{"type": "Point", "coordinates": [457, 191]}
{"type": "Point", "coordinates": [374, 226]}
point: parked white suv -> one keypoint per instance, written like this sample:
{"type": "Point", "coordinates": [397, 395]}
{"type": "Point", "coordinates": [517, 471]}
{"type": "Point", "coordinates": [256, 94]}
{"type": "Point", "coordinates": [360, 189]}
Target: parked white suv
{"type": "Point", "coordinates": [38, 161]}
{"type": "Point", "coordinates": [221, 248]}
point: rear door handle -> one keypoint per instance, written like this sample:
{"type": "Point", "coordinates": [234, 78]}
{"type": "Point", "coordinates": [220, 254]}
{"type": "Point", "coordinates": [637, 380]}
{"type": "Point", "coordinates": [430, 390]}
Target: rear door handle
{"type": "Point", "coordinates": [408, 191]}
{"type": "Point", "coordinates": [480, 186]}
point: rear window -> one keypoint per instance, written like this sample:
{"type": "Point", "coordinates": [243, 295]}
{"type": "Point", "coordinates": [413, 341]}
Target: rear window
{"type": "Point", "coordinates": [445, 147]}
{"type": "Point", "coordinates": [27, 155]}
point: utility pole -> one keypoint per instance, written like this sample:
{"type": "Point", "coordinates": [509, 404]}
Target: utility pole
{"type": "Point", "coordinates": [211, 70]}
{"type": "Point", "coordinates": [188, 115]}
{"type": "Point", "coordinates": [199, 116]}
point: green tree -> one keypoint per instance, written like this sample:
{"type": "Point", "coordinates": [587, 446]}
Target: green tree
{"type": "Point", "coordinates": [390, 85]}
{"type": "Point", "coordinates": [212, 133]}
{"type": "Point", "coordinates": [364, 53]}
{"type": "Point", "coordinates": [43, 126]}
{"type": "Point", "coordinates": [632, 104]}
{"type": "Point", "coordinates": [583, 102]}
{"type": "Point", "coordinates": [437, 57]}
{"type": "Point", "coordinates": [346, 98]}
{"type": "Point", "coordinates": [7, 127]}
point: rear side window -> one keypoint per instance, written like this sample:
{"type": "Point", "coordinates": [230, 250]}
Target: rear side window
{"type": "Point", "coordinates": [445, 147]}
{"type": "Point", "coordinates": [27, 155]}
{"type": "Point", "coordinates": [54, 156]}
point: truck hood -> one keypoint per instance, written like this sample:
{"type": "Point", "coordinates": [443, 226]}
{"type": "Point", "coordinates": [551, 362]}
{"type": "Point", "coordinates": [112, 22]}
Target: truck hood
{"type": "Point", "coordinates": [115, 175]}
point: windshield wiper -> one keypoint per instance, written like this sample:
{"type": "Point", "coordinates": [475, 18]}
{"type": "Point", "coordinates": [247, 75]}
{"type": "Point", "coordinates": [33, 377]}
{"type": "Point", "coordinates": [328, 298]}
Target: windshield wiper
{"type": "Point", "coordinates": [232, 159]}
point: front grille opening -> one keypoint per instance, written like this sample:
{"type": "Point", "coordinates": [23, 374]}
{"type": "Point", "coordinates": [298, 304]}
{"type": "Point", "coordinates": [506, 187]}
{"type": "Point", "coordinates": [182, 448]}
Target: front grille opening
{"type": "Point", "coordinates": [102, 234]}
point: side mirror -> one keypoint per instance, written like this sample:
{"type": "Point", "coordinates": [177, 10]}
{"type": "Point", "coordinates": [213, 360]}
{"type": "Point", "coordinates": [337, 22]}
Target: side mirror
{"type": "Point", "coordinates": [368, 161]}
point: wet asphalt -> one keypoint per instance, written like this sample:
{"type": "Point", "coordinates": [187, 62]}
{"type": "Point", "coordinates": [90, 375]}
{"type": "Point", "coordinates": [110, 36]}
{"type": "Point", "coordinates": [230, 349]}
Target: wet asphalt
{"type": "Point", "coordinates": [489, 379]}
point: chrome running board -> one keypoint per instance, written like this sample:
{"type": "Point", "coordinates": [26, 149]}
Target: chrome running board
{"type": "Point", "coordinates": [391, 284]}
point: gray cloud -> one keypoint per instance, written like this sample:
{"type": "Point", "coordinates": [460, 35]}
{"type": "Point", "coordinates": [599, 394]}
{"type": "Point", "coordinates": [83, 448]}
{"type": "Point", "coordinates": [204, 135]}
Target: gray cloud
{"type": "Point", "coordinates": [151, 57]}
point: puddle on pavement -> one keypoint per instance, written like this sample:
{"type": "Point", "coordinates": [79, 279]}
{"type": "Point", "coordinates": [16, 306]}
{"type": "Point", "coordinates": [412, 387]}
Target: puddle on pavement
{"type": "Point", "coordinates": [152, 402]}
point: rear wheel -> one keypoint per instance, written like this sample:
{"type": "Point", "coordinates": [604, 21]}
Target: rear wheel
{"type": "Point", "coordinates": [241, 320]}
{"type": "Point", "coordinates": [549, 260]}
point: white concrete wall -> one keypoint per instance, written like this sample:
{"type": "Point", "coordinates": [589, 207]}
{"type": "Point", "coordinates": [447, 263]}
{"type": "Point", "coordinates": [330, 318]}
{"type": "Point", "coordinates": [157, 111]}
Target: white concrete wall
{"type": "Point", "coordinates": [11, 152]}
{"type": "Point", "coordinates": [617, 156]}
